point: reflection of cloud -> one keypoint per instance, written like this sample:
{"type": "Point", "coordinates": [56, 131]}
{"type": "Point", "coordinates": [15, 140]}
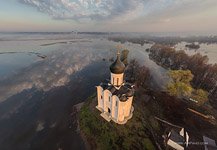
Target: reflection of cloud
{"type": "Point", "coordinates": [57, 68]}
{"type": "Point", "coordinates": [52, 72]}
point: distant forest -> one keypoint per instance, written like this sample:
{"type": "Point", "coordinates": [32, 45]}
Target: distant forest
{"type": "Point", "coordinates": [163, 40]}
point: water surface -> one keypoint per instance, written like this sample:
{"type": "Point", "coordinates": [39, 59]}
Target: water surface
{"type": "Point", "coordinates": [37, 94]}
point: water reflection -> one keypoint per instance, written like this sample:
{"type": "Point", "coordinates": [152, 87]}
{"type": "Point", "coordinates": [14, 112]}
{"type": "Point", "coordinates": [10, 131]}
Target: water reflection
{"type": "Point", "coordinates": [66, 59]}
{"type": "Point", "coordinates": [53, 71]}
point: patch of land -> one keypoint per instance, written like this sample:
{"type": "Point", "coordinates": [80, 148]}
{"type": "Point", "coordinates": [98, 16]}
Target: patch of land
{"type": "Point", "coordinates": [65, 42]}
{"type": "Point", "coordinates": [144, 131]}
{"type": "Point", "coordinates": [101, 134]}
{"type": "Point", "coordinates": [33, 53]}
{"type": "Point", "coordinates": [192, 46]}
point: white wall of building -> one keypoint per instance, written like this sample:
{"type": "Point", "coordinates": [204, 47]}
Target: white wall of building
{"type": "Point", "coordinates": [127, 106]}
{"type": "Point", "coordinates": [100, 96]}
{"type": "Point", "coordinates": [117, 79]}
{"type": "Point", "coordinates": [124, 109]}
{"type": "Point", "coordinates": [121, 111]}
{"type": "Point", "coordinates": [107, 97]}
{"type": "Point", "coordinates": [115, 106]}
{"type": "Point", "coordinates": [118, 110]}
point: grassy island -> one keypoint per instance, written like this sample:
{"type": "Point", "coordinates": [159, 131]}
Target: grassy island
{"type": "Point", "coordinates": [135, 134]}
{"type": "Point", "coordinates": [143, 130]}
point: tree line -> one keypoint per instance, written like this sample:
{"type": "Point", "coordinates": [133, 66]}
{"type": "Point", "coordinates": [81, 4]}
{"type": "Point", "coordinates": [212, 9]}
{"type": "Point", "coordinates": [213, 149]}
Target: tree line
{"type": "Point", "coordinates": [166, 40]}
{"type": "Point", "coordinates": [205, 74]}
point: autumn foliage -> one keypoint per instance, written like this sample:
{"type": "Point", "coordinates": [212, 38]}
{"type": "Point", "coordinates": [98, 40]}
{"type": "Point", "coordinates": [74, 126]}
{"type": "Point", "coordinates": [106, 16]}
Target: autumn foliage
{"type": "Point", "coordinates": [205, 74]}
{"type": "Point", "coordinates": [180, 86]}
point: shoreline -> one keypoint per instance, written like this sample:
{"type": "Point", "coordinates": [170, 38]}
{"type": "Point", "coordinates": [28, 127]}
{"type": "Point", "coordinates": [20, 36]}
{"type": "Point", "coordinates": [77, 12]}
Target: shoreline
{"type": "Point", "coordinates": [77, 109]}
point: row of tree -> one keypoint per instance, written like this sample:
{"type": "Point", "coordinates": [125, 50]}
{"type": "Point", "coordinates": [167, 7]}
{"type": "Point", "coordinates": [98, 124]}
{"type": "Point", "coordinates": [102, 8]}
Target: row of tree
{"type": "Point", "coordinates": [166, 40]}
{"type": "Point", "coordinates": [205, 75]}
{"type": "Point", "coordinates": [181, 87]}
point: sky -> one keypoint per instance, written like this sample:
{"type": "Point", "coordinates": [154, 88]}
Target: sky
{"type": "Point", "coordinates": [193, 16]}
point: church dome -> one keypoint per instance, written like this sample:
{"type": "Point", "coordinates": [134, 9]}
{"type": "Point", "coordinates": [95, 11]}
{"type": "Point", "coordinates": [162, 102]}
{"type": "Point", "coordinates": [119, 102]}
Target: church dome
{"type": "Point", "coordinates": [117, 67]}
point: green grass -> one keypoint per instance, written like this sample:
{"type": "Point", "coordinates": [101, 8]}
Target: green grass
{"type": "Point", "coordinates": [105, 135]}
{"type": "Point", "coordinates": [148, 144]}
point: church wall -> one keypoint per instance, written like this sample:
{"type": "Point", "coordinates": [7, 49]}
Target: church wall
{"type": "Point", "coordinates": [100, 96]}
{"type": "Point", "coordinates": [117, 79]}
{"type": "Point", "coordinates": [114, 106]}
{"type": "Point", "coordinates": [121, 111]}
{"type": "Point", "coordinates": [107, 100]}
{"type": "Point", "coordinates": [127, 106]}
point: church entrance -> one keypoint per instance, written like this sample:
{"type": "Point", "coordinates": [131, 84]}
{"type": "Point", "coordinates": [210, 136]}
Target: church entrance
{"type": "Point", "coordinates": [109, 111]}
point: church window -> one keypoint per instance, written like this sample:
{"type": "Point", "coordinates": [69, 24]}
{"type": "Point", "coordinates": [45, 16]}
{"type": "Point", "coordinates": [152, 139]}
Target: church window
{"type": "Point", "coordinates": [109, 98]}
{"type": "Point", "coordinates": [116, 103]}
{"type": "Point", "coordinates": [117, 80]}
{"type": "Point", "coordinates": [113, 80]}
{"type": "Point", "coordinates": [101, 96]}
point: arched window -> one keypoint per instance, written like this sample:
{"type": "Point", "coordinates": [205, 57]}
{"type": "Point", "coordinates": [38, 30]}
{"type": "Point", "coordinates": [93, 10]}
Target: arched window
{"type": "Point", "coordinates": [117, 80]}
{"type": "Point", "coordinates": [116, 103]}
{"type": "Point", "coordinates": [101, 96]}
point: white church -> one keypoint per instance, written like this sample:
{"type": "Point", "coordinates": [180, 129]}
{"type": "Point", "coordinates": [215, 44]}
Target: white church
{"type": "Point", "coordinates": [115, 97]}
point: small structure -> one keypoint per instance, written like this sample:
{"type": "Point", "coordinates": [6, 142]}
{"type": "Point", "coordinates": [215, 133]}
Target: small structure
{"type": "Point", "coordinates": [177, 140]}
{"type": "Point", "coordinates": [209, 144]}
{"type": "Point", "coordinates": [115, 97]}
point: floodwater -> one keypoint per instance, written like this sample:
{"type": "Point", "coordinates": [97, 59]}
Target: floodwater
{"type": "Point", "coordinates": [37, 94]}
{"type": "Point", "coordinates": [205, 49]}
{"type": "Point", "coordinates": [21, 68]}
{"type": "Point", "coordinates": [43, 75]}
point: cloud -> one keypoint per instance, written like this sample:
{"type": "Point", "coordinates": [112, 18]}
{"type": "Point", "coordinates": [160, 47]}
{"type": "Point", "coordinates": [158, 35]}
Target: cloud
{"type": "Point", "coordinates": [83, 9]}
{"type": "Point", "coordinates": [115, 10]}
